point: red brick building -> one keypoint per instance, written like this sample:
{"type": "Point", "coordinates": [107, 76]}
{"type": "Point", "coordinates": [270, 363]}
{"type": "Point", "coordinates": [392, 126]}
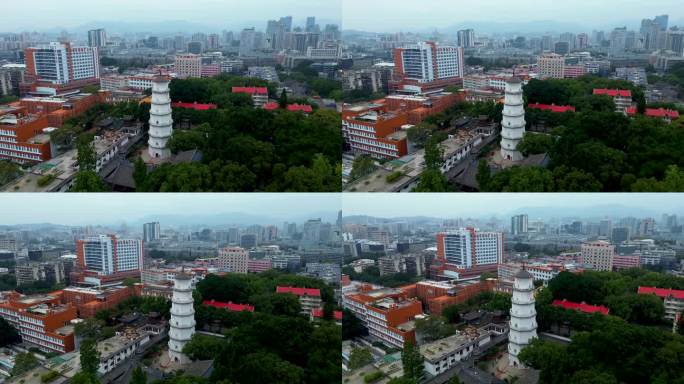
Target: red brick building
{"type": "Point", "coordinates": [41, 320]}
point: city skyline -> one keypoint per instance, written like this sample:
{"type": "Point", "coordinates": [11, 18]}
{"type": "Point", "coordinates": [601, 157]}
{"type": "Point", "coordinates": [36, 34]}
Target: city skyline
{"type": "Point", "coordinates": [216, 13]}
{"type": "Point", "coordinates": [92, 209]}
{"type": "Point", "coordinates": [504, 205]}
{"type": "Point", "coordinates": [404, 15]}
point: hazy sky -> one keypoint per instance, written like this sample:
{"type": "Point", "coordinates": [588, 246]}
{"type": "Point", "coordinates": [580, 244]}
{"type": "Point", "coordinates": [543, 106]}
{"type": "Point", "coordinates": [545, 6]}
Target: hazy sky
{"type": "Point", "coordinates": [486, 204]}
{"type": "Point", "coordinates": [47, 14]}
{"type": "Point", "coordinates": [407, 15]}
{"type": "Point", "coordinates": [79, 209]}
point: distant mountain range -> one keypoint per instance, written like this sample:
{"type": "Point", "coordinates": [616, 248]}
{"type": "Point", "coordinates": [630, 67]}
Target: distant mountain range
{"type": "Point", "coordinates": [538, 212]}
{"type": "Point", "coordinates": [531, 27]}
{"type": "Point", "coordinates": [168, 27]}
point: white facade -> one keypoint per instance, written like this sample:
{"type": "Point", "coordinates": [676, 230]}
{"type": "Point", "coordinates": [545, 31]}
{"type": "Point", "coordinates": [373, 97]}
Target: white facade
{"type": "Point", "coordinates": [513, 123]}
{"type": "Point", "coordinates": [233, 259]}
{"type": "Point", "coordinates": [459, 250]}
{"type": "Point", "coordinates": [523, 323]}
{"type": "Point", "coordinates": [161, 122]}
{"type": "Point", "coordinates": [551, 65]}
{"type": "Point", "coordinates": [59, 63]}
{"type": "Point", "coordinates": [427, 61]}
{"type": "Point", "coordinates": [182, 323]}
{"type": "Point", "coordinates": [598, 255]}
{"type": "Point", "coordinates": [188, 65]}
{"type": "Point", "coordinates": [109, 254]}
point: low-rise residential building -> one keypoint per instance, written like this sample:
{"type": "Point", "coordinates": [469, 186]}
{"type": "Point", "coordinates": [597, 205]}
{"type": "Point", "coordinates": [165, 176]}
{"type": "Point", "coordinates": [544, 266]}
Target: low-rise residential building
{"type": "Point", "coordinates": [582, 307]}
{"type": "Point", "coordinates": [441, 355]}
{"type": "Point", "coordinates": [259, 265]}
{"type": "Point", "coordinates": [626, 261]}
{"type": "Point", "coordinates": [667, 115]}
{"type": "Point", "coordinates": [621, 97]}
{"type": "Point", "coordinates": [539, 271]}
{"type": "Point", "coordinates": [51, 272]}
{"type": "Point", "coordinates": [673, 300]}
{"type": "Point", "coordinates": [309, 298]}
{"type": "Point", "coordinates": [259, 95]}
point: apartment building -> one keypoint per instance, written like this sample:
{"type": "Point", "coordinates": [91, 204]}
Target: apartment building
{"type": "Point", "coordinates": [259, 95]}
{"type": "Point", "coordinates": [598, 255]}
{"type": "Point", "coordinates": [233, 259]}
{"type": "Point", "coordinates": [441, 355]}
{"type": "Point", "coordinates": [427, 66]}
{"type": "Point", "coordinates": [188, 65]}
{"type": "Point", "coordinates": [621, 97]}
{"type": "Point", "coordinates": [551, 65]}
{"type": "Point", "coordinates": [673, 299]}
{"type": "Point", "coordinates": [61, 66]}
{"type": "Point", "coordinates": [309, 298]}
{"type": "Point", "coordinates": [467, 248]}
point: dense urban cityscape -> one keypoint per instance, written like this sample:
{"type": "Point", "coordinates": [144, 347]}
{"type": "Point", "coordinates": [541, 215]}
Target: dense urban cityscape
{"type": "Point", "coordinates": [240, 298]}
{"type": "Point", "coordinates": [128, 110]}
{"type": "Point", "coordinates": [342, 191]}
{"type": "Point", "coordinates": [462, 109]}
{"type": "Point", "coordinates": [581, 293]}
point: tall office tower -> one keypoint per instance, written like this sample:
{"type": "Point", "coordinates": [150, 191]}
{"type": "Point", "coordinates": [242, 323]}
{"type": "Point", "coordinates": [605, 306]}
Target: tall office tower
{"type": "Point", "coordinates": [311, 24]}
{"type": "Point", "coordinates": [523, 323]}
{"type": "Point", "coordinates": [247, 41]}
{"type": "Point", "coordinates": [182, 323]}
{"type": "Point", "coordinates": [62, 63]}
{"type": "Point", "coordinates": [582, 41]}
{"type": "Point", "coordinates": [233, 259]}
{"type": "Point", "coordinates": [108, 257]}
{"type": "Point", "coordinates": [513, 123]}
{"type": "Point", "coordinates": [428, 62]}
{"type": "Point", "coordinates": [519, 224]}
{"type": "Point", "coordinates": [97, 38]}
{"type": "Point", "coordinates": [161, 121]}
{"type": "Point", "coordinates": [213, 41]}
{"type": "Point", "coordinates": [662, 21]}
{"type": "Point", "coordinates": [466, 38]}
{"type": "Point", "coordinates": [468, 248]}
{"type": "Point", "coordinates": [551, 65]}
{"type": "Point", "coordinates": [547, 43]}
{"type": "Point", "coordinates": [618, 40]}
{"type": "Point", "coordinates": [287, 23]}
{"type": "Point", "coordinates": [605, 227]}
{"type": "Point", "coordinates": [151, 231]}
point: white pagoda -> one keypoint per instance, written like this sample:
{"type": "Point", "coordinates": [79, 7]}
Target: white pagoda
{"type": "Point", "coordinates": [161, 122]}
{"type": "Point", "coordinates": [182, 324]}
{"type": "Point", "coordinates": [523, 326]}
{"type": "Point", "coordinates": [513, 122]}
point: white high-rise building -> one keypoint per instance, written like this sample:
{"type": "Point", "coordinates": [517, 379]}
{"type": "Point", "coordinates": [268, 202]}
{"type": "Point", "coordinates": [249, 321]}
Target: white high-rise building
{"type": "Point", "coordinates": [513, 123]}
{"type": "Point", "coordinates": [161, 122]}
{"type": "Point", "coordinates": [182, 323]}
{"type": "Point", "coordinates": [97, 38]}
{"type": "Point", "coordinates": [551, 65]}
{"type": "Point", "coordinates": [523, 316]}
{"type": "Point", "coordinates": [469, 247]}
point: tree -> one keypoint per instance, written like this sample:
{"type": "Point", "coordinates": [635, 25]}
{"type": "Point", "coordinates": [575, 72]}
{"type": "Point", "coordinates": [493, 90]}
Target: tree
{"type": "Point", "coordinates": [264, 367]}
{"type": "Point", "coordinates": [8, 334]}
{"type": "Point", "coordinates": [87, 157]}
{"type": "Point", "coordinates": [282, 101]}
{"type": "Point", "coordinates": [140, 175]}
{"type": "Point", "coordinates": [432, 181]}
{"type": "Point", "coordinates": [484, 175]}
{"type": "Point", "coordinates": [351, 326]}
{"type": "Point", "coordinates": [362, 166]}
{"type": "Point", "coordinates": [534, 143]}
{"type": "Point", "coordinates": [90, 357]}
{"type": "Point", "coordinates": [412, 360]}
{"type": "Point", "coordinates": [419, 134]}
{"type": "Point", "coordinates": [90, 328]}
{"type": "Point", "coordinates": [8, 171]}
{"type": "Point", "coordinates": [360, 357]}
{"type": "Point", "coordinates": [88, 181]}
{"type": "Point", "coordinates": [202, 347]}
{"type": "Point", "coordinates": [455, 380]}
{"type": "Point", "coordinates": [433, 328]}
{"type": "Point", "coordinates": [139, 376]}
{"type": "Point", "coordinates": [23, 363]}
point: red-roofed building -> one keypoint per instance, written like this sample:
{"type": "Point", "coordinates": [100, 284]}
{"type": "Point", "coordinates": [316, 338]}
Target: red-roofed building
{"type": "Point", "coordinates": [621, 97]}
{"type": "Point", "coordinates": [309, 298]}
{"type": "Point", "coordinates": [259, 94]}
{"type": "Point", "coordinates": [229, 306]}
{"type": "Point", "coordinates": [553, 108]}
{"type": "Point", "coordinates": [195, 106]}
{"type": "Point", "coordinates": [673, 299]}
{"type": "Point", "coordinates": [272, 106]}
{"type": "Point", "coordinates": [317, 313]}
{"type": "Point", "coordinates": [583, 307]}
{"type": "Point", "coordinates": [662, 113]}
